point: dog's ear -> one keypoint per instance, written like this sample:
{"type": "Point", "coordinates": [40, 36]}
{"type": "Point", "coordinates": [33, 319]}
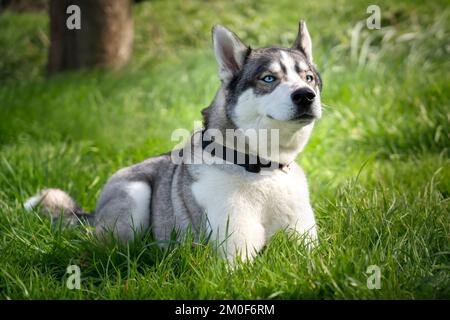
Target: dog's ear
{"type": "Point", "coordinates": [303, 41]}
{"type": "Point", "coordinates": [230, 52]}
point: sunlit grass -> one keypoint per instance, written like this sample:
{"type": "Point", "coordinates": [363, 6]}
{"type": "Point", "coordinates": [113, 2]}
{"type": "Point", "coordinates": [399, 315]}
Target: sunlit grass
{"type": "Point", "coordinates": [377, 163]}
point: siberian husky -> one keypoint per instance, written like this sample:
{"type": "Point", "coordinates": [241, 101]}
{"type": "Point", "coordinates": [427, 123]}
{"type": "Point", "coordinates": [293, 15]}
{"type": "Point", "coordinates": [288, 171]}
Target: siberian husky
{"type": "Point", "coordinates": [241, 204]}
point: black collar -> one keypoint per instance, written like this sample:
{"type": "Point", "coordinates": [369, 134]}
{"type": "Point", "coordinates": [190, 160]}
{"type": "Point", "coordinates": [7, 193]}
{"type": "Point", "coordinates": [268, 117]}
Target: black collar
{"type": "Point", "coordinates": [251, 162]}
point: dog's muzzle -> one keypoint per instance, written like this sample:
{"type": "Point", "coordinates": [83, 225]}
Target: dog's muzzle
{"type": "Point", "coordinates": [303, 99]}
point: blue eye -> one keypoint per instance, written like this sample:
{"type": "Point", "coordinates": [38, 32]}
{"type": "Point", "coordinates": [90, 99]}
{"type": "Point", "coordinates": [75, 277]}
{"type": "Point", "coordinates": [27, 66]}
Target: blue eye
{"type": "Point", "coordinates": [268, 79]}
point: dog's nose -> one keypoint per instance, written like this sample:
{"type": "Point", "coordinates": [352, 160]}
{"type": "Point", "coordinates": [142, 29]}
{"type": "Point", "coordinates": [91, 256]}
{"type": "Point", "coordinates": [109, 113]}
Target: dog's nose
{"type": "Point", "coordinates": [303, 97]}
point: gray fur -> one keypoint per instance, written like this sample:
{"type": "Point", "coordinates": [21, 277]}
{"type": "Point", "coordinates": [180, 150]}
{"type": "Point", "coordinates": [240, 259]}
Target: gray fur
{"type": "Point", "coordinates": [172, 204]}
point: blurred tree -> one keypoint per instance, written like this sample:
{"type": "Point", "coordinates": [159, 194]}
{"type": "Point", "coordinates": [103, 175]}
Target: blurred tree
{"type": "Point", "coordinates": [23, 5]}
{"type": "Point", "coordinates": [104, 37]}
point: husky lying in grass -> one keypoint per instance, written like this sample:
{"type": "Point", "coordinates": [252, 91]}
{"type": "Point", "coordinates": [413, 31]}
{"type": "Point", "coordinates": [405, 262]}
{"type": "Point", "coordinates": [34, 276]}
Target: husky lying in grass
{"type": "Point", "coordinates": [240, 203]}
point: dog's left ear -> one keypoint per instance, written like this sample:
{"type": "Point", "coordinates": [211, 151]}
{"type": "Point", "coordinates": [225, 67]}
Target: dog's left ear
{"type": "Point", "coordinates": [303, 41]}
{"type": "Point", "coordinates": [230, 52]}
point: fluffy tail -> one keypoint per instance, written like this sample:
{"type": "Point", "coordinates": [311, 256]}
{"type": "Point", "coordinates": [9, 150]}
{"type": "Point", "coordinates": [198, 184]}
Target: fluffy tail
{"type": "Point", "coordinates": [54, 203]}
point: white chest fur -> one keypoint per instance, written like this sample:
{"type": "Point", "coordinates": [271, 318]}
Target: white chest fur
{"type": "Point", "coordinates": [247, 209]}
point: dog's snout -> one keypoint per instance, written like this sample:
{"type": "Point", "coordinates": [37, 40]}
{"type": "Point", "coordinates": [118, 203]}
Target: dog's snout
{"type": "Point", "coordinates": [303, 97]}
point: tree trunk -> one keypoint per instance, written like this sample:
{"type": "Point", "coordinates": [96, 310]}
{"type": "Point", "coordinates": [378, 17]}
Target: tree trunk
{"type": "Point", "coordinates": [105, 36]}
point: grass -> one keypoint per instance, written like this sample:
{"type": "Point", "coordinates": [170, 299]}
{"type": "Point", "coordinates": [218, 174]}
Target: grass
{"type": "Point", "coordinates": [377, 163]}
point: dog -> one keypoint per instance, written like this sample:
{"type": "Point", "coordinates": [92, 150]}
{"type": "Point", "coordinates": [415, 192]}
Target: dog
{"type": "Point", "coordinates": [273, 88]}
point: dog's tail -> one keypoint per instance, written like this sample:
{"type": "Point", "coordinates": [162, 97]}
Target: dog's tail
{"type": "Point", "coordinates": [56, 203]}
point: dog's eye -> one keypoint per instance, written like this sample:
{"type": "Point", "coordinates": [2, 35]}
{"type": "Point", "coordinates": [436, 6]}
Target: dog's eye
{"type": "Point", "coordinates": [268, 79]}
{"type": "Point", "coordinates": [309, 78]}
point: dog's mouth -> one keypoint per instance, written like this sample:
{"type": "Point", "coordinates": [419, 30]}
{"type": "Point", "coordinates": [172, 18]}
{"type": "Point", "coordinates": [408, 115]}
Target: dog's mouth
{"type": "Point", "coordinates": [305, 117]}
{"type": "Point", "coordinates": [302, 118]}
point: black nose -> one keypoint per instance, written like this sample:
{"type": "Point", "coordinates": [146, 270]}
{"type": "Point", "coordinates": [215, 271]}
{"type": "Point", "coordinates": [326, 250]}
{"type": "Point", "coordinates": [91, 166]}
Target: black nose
{"type": "Point", "coordinates": [303, 97]}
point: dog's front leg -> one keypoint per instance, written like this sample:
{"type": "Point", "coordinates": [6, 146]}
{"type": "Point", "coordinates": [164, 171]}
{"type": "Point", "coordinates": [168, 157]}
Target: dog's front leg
{"type": "Point", "coordinates": [239, 235]}
{"type": "Point", "coordinates": [304, 226]}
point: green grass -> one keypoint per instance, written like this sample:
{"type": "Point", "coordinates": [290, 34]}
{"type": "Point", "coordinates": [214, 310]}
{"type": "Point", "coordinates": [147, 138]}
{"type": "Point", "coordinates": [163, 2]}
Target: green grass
{"type": "Point", "coordinates": [377, 163]}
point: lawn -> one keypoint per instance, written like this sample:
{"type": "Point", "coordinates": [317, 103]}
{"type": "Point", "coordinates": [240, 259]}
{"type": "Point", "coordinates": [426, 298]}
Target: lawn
{"type": "Point", "coordinates": [377, 163]}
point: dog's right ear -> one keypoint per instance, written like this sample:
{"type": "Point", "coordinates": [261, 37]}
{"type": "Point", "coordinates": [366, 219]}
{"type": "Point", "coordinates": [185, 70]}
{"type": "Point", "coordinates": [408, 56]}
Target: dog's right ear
{"type": "Point", "coordinates": [303, 41]}
{"type": "Point", "coordinates": [230, 52]}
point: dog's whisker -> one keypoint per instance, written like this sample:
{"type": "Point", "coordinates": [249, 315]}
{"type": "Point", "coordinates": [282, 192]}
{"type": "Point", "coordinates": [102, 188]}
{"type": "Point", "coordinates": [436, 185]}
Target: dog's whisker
{"type": "Point", "coordinates": [326, 106]}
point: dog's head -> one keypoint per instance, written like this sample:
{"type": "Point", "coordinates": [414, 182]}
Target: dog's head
{"type": "Point", "coordinates": [268, 87]}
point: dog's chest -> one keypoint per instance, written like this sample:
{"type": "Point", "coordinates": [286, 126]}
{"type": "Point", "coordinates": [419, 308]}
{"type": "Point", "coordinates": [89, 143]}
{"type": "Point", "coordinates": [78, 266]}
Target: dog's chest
{"type": "Point", "coordinates": [274, 199]}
